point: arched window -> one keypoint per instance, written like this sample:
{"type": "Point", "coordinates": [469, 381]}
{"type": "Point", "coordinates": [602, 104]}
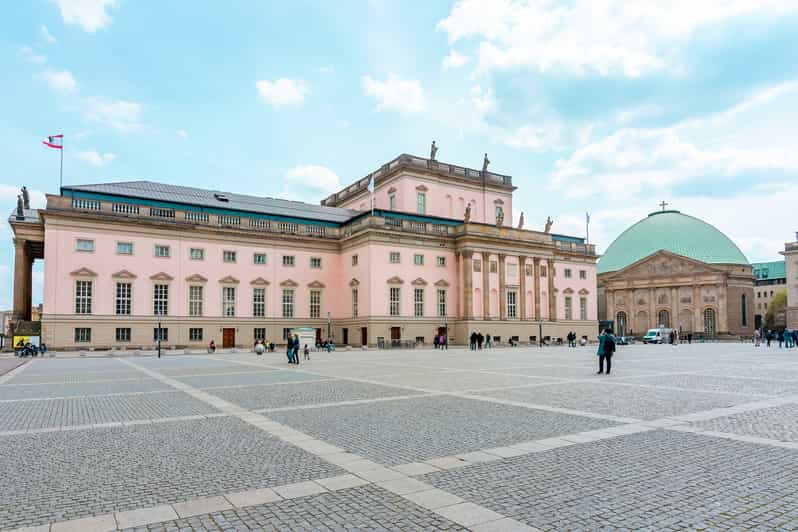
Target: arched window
{"type": "Point", "coordinates": [744, 310]}
{"type": "Point", "coordinates": [664, 318]}
{"type": "Point", "coordinates": [620, 323]}
{"type": "Point", "coordinates": [709, 322]}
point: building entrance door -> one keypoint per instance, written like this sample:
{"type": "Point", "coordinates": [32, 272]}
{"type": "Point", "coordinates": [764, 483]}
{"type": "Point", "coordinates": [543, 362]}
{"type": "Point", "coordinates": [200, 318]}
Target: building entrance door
{"type": "Point", "coordinates": [396, 333]}
{"type": "Point", "coordinates": [364, 336]}
{"type": "Point", "coordinates": [345, 333]}
{"type": "Point", "coordinates": [228, 337]}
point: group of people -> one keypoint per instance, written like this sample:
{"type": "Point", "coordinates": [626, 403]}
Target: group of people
{"type": "Point", "coordinates": [292, 349]}
{"type": "Point", "coordinates": [785, 337]}
{"type": "Point", "coordinates": [440, 341]}
{"type": "Point", "coordinates": [571, 337]}
{"type": "Point", "coordinates": [477, 340]}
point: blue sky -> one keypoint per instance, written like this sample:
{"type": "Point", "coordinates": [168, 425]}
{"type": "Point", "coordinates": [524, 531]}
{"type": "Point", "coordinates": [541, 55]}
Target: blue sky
{"type": "Point", "coordinates": [592, 105]}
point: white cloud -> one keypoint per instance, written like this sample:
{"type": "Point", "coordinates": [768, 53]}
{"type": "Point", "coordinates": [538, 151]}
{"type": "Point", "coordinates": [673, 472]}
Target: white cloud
{"type": "Point", "coordinates": [395, 93]}
{"type": "Point", "coordinates": [283, 91]}
{"type": "Point", "coordinates": [484, 101]}
{"type": "Point", "coordinates": [30, 55]}
{"type": "Point", "coordinates": [454, 60]}
{"type": "Point", "coordinates": [608, 37]}
{"type": "Point", "coordinates": [94, 158]}
{"type": "Point", "coordinates": [119, 114]}
{"type": "Point", "coordinates": [533, 137]}
{"type": "Point", "coordinates": [60, 81]}
{"type": "Point", "coordinates": [182, 133]}
{"type": "Point", "coordinates": [314, 176]}
{"type": "Point", "coordinates": [46, 35]}
{"type": "Point", "coordinates": [91, 15]}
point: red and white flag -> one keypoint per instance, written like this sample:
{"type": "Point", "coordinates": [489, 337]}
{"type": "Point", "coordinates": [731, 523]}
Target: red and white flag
{"type": "Point", "coordinates": [55, 141]}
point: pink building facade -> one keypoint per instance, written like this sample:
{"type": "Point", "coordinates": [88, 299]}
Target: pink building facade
{"type": "Point", "coordinates": [127, 263]}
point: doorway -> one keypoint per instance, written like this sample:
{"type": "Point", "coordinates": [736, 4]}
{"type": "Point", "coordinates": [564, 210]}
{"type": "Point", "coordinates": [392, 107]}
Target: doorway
{"type": "Point", "coordinates": [345, 335]}
{"type": "Point", "coordinates": [228, 337]}
{"type": "Point", "coordinates": [364, 336]}
{"type": "Point", "coordinates": [396, 333]}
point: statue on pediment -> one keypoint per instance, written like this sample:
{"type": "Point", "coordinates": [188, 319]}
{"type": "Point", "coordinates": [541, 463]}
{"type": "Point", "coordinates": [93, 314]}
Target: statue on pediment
{"type": "Point", "coordinates": [549, 223]}
{"type": "Point", "coordinates": [433, 151]}
{"type": "Point", "coordinates": [25, 197]}
{"type": "Point", "coordinates": [20, 211]}
{"type": "Point", "coordinates": [485, 163]}
{"type": "Point", "coordinates": [521, 221]}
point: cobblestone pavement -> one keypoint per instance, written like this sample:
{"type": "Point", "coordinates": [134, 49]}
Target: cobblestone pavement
{"type": "Point", "coordinates": [696, 437]}
{"type": "Point", "coordinates": [7, 364]}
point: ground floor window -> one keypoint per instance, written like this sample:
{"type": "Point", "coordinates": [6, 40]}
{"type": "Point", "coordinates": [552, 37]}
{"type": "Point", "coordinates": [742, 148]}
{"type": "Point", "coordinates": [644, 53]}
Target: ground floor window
{"type": "Point", "coordinates": [286, 333]}
{"type": "Point", "coordinates": [418, 302]}
{"type": "Point", "coordinates": [260, 333]}
{"type": "Point", "coordinates": [709, 322]}
{"type": "Point", "coordinates": [195, 334]}
{"type": "Point", "coordinates": [582, 308]}
{"type": "Point", "coordinates": [122, 334]}
{"type": "Point", "coordinates": [620, 323]}
{"type": "Point", "coordinates": [569, 310]}
{"type": "Point", "coordinates": [512, 308]}
{"type": "Point", "coordinates": [82, 334]}
{"type": "Point", "coordinates": [664, 318]}
{"type": "Point", "coordinates": [161, 334]}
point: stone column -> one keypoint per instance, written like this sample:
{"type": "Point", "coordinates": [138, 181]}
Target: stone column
{"type": "Point", "coordinates": [609, 296]}
{"type": "Point", "coordinates": [522, 287]}
{"type": "Point", "coordinates": [502, 287]}
{"type": "Point", "coordinates": [536, 277]}
{"type": "Point", "coordinates": [468, 284]}
{"type": "Point", "coordinates": [722, 319]}
{"type": "Point", "coordinates": [675, 308]}
{"type": "Point", "coordinates": [486, 285]}
{"type": "Point", "coordinates": [698, 323]}
{"type": "Point", "coordinates": [23, 264]}
{"type": "Point", "coordinates": [552, 298]}
{"type": "Point", "coordinates": [652, 309]}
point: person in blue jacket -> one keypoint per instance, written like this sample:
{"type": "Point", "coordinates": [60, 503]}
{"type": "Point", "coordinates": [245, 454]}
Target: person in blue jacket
{"type": "Point", "coordinates": [606, 348]}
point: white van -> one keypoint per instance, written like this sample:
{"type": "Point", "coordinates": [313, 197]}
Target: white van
{"type": "Point", "coordinates": [657, 336]}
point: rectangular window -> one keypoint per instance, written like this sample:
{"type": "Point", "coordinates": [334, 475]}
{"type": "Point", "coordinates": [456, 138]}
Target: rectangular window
{"type": "Point", "coordinates": [195, 334]}
{"type": "Point", "coordinates": [197, 254]}
{"type": "Point", "coordinates": [161, 251]}
{"type": "Point", "coordinates": [286, 332]}
{"type": "Point", "coordinates": [477, 265]}
{"type": "Point", "coordinates": [83, 297]}
{"type": "Point", "coordinates": [83, 244]}
{"type": "Point", "coordinates": [315, 262]}
{"type": "Point", "coordinates": [421, 203]}
{"type": "Point", "coordinates": [228, 301]}
{"type": "Point", "coordinates": [82, 334]}
{"type": "Point", "coordinates": [440, 261]}
{"type": "Point", "coordinates": [229, 256]}
{"type": "Point", "coordinates": [288, 260]}
{"type": "Point", "coordinates": [441, 302]}
{"type": "Point", "coordinates": [418, 302]}
{"type": "Point", "coordinates": [123, 334]}
{"type": "Point", "coordinates": [354, 260]}
{"type": "Point", "coordinates": [259, 258]}
{"type": "Point", "coordinates": [160, 299]}
{"type": "Point", "coordinates": [394, 301]}
{"type": "Point", "coordinates": [567, 273]}
{"type": "Point", "coordinates": [528, 269]}
{"type": "Point", "coordinates": [543, 271]}
{"type": "Point", "coordinates": [123, 298]}
{"type": "Point", "coordinates": [512, 305]}
{"type": "Point", "coordinates": [259, 302]}
{"type": "Point", "coordinates": [582, 274]}
{"type": "Point", "coordinates": [354, 302]}
{"type": "Point", "coordinates": [195, 297]}
{"type": "Point", "coordinates": [418, 260]}
{"type": "Point", "coordinates": [315, 303]}
{"type": "Point", "coordinates": [569, 311]}
{"type": "Point", "coordinates": [394, 257]}
{"type": "Point", "coordinates": [124, 248]}
{"type": "Point", "coordinates": [259, 333]}
{"type": "Point", "coordinates": [494, 266]}
{"type": "Point", "coordinates": [392, 202]}
{"type": "Point", "coordinates": [161, 334]}
{"type": "Point", "coordinates": [582, 308]}
{"type": "Point", "coordinates": [498, 212]}
{"type": "Point", "coordinates": [288, 303]}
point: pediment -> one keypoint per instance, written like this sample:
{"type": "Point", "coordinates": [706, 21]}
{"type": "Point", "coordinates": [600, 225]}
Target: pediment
{"type": "Point", "coordinates": [568, 290]}
{"type": "Point", "coordinates": [316, 284]}
{"type": "Point", "coordinates": [354, 282]}
{"type": "Point", "coordinates": [83, 272]}
{"type": "Point", "coordinates": [259, 281]}
{"type": "Point", "coordinates": [228, 280]}
{"type": "Point", "coordinates": [161, 276]}
{"type": "Point", "coordinates": [663, 264]}
{"type": "Point", "coordinates": [442, 283]}
{"type": "Point", "coordinates": [123, 274]}
{"type": "Point", "coordinates": [196, 278]}
{"type": "Point", "coordinates": [422, 188]}
{"type": "Point", "coordinates": [498, 201]}
{"type": "Point", "coordinates": [395, 280]}
{"type": "Point", "coordinates": [289, 283]}
{"type": "Point", "coordinates": [391, 190]}
{"type": "Point", "coordinates": [584, 292]}
{"type": "Point", "coordinates": [419, 282]}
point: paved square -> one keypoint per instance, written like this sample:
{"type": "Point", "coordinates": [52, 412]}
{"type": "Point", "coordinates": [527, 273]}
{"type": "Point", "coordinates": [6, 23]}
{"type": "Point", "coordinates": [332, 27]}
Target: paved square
{"type": "Point", "coordinates": [702, 436]}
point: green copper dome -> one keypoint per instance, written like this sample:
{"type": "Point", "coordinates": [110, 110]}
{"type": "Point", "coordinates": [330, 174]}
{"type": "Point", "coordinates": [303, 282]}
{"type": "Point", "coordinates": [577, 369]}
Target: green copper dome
{"type": "Point", "coordinates": [674, 232]}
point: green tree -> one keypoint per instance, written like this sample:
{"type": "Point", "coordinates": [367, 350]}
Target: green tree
{"type": "Point", "coordinates": [776, 316]}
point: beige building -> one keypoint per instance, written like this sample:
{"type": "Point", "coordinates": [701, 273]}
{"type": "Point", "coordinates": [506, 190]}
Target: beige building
{"type": "Point", "coordinates": [791, 258]}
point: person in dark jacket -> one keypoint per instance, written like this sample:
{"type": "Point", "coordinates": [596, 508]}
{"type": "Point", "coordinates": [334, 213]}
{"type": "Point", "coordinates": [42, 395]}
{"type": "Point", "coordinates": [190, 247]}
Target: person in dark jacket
{"type": "Point", "coordinates": [289, 349]}
{"type": "Point", "coordinates": [473, 341]}
{"type": "Point", "coordinates": [606, 348]}
{"type": "Point", "coordinates": [480, 339]}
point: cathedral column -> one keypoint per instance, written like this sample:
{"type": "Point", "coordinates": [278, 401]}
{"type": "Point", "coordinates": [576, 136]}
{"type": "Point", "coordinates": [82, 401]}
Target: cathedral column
{"type": "Point", "coordinates": [609, 297]}
{"type": "Point", "coordinates": [722, 318]}
{"type": "Point", "coordinates": [23, 276]}
{"type": "Point", "coordinates": [674, 308]}
{"type": "Point", "coordinates": [468, 284]}
{"type": "Point", "coordinates": [552, 299]}
{"type": "Point", "coordinates": [522, 287]}
{"type": "Point", "coordinates": [536, 277]}
{"type": "Point", "coordinates": [502, 287]}
{"type": "Point", "coordinates": [652, 309]}
{"type": "Point", "coordinates": [486, 285]}
{"type": "Point", "coordinates": [698, 325]}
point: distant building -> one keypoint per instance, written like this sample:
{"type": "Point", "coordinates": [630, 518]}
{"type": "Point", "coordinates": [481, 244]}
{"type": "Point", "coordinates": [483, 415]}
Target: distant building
{"type": "Point", "coordinates": [791, 269]}
{"type": "Point", "coordinates": [769, 279]}
{"type": "Point", "coordinates": [674, 270]}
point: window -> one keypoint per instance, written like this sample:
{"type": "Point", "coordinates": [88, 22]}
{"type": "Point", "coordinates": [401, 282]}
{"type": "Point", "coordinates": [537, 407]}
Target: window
{"type": "Point", "coordinates": [124, 248]}
{"type": "Point", "coordinates": [229, 256]}
{"type": "Point", "coordinates": [542, 271]}
{"type": "Point", "coordinates": [528, 269]}
{"type": "Point", "coordinates": [195, 334]}
{"type": "Point", "coordinates": [418, 302]}
{"type": "Point", "coordinates": [441, 302]}
{"type": "Point", "coordinates": [477, 265]}
{"type": "Point", "coordinates": [582, 274]}
{"type": "Point", "coordinates": [394, 301]}
{"type": "Point", "coordinates": [288, 303]}
{"type": "Point", "coordinates": [418, 260]}
{"type": "Point", "coordinates": [161, 251]}
{"type": "Point", "coordinates": [744, 310]}
{"type": "Point", "coordinates": [160, 299]}
{"type": "Point", "coordinates": [392, 202]}
{"type": "Point", "coordinates": [259, 258]}
{"type": "Point", "coordinates": [286, 332]}
{"type": "Point", "coordinates": [494, 266]}
{"type": "Point", "coordinates": [569, 311]}
{"type": "Point", "coordinates": [582, 308]}
{"type": "Point", "coordinates": [315, 262]}
{"type": "Point", "coordinates": [394, 257]}
{"type": "Point", "coordinates": [82, 334]}
{"type": "Point", "coordinates": [664, 318]}
{"type": "Point", "coordinates": [440, 261]}
{"type": "Point", "coordinates": [354, 260]}
{"type": "Point", "coordinates": [228, 301]}
{"type": "Point", "coordinates": [315, 303]}
{"type": "Point", "coordinates": [197, 254]}
{"type": "Point", "coordinates": [123, 293]}
{"type": "Point", "coordinates": [567, 273]}
{"type": "Point", "coordinates": [421, 203]}
{"type": "Point", "coordinates": [499, 211]}
{"type": "Point", "coordinates": [512, 304]}
{"type": "Point", "coordinates": [259, 333]}
{"type": "Point", "coordinates": [195, 297]}
{"type": "Point", "coordinates": [83, 297]}
{"type": "Point", "coordinates": [84, 245]}
{"type": "Point", "coordinates": [354, 302]}
{"type": "Point", "coordinates": [123, 334]}
{"type": "Point", "coordinates": [259, 302]}
{"type": "Point", "coordinates": [161, 334]}
{"type": "Point", "coordinates": [288, 260]}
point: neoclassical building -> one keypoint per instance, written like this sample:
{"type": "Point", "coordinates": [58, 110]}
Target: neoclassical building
{"type": "Point", "coordinates": [434, 254]}
{"type": "Point", "coordinates": [674, 270]}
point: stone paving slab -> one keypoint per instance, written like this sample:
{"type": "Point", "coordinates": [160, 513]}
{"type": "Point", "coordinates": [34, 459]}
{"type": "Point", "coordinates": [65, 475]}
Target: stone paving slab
{"type": "Point", "coordinates": [655, 480]}
{"type": "Point", "coordinates": [778, 423]}
{"type": "Point", "coordinates": [453, 381]}
{"type": "Point", "coordinates": [750, 386]}
{"type": "Point", "coordinates": [73, 377]}
{"type": "Point", "coordinates": [74, 389]}
{"type": "Point", "coordinates": [254, 377]}
{"type": "Point", "coordinates": [415, 430]}
{"type": "Point", "coordinates": [59, 476]}
{"type": "Point", "coordinates": [7, 364]}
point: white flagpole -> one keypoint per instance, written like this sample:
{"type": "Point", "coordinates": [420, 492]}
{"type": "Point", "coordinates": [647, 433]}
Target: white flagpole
{"type": "Point", "coordinates": [61, 168]}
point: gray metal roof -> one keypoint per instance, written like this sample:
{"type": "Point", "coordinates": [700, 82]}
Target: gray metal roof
{"type": "Point", "coordinates": [149, 190]}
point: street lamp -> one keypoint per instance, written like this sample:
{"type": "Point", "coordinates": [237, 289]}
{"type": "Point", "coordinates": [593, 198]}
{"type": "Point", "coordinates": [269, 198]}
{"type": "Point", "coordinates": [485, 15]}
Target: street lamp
{"type": "Point", "coordinates": [540, 332]}
{"type": "Point", "coordinates": [329, 334]}
{"type": "Point", "coordinates": [159, 335]}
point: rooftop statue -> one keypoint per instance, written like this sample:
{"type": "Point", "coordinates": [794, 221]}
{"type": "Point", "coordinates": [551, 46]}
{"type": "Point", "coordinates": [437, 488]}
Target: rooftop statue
{"type": "Point", "coordinates": [433, 151]}
{"type": "Point", "coordinates": [521, 221]}
{"type": "Point", "coordinates": [467, 215]}
{"type": "Point", "coordinates": [485, 163]}
{"type": "Point", "coordinates": [549, 223]}
{"type": "Point", "coordinates": [25, 197]}
{"type": "Point", "coordinates": [20, 211]}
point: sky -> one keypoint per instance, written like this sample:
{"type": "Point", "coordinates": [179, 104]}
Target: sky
{"type": "Point", "coordinates": [601, 106]}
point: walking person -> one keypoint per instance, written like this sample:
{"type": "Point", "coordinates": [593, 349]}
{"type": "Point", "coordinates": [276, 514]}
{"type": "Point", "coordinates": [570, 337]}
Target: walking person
{"type": "Point", "coordinates": [473, 341]}
{"type": "Point", "coordinates": [487, 342]}
{"type": "Point", "coordinates": [289, 349]}
{"type": "Point", "coordinates": [605, 350]}
{"type": "Point", "coordinates": [307, 352]}
{"type": "Point", "coordinates": [781, 338]}
{"type": "Point", "coordinates": [480, 339]}
{"type": "Point", "coordinates": [757, 337]}
{"type": "Point", "coordinates": [296, 349]}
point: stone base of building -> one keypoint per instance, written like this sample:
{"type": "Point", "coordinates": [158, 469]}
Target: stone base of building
{"type": "Point", "coordinates": [792, 317]}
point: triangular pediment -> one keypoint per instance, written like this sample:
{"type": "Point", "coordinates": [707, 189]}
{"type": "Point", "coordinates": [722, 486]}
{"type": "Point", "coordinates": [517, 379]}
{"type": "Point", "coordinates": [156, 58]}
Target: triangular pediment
{"type": "Point", "coordinates": [395, 280]}
{"type": "Point", "coordinates": [161, 276]}
{"type": "Point", "coordinates": [228, 280]}
{"type": "Point", "coordinates": [289, 283]}
{"type": "Point", "coordinates": [196, 278]}
{"type": "Point", "coordinates": [316, 284]}
{"type": "Point", "coordinates": [568, 290]}
{"type": "Point", "coordinates": [259, 281]}
{"type": "Point", "coordinates": [419, 282]}
{"type": "Point", "coordinates": [354, 282]}
{"type": "Point", "coordinates": [422, 188]}
{"type": "Point", "coordinates": [442, 283]}
{"type": "Point", "coordinates": [123, 274]}
{"type": "Point", "coordinates": [584, 292]}
{"type": "Point", "coordinates": [83, 272]}
{"type": "Point", "coordinates": [663, 264]}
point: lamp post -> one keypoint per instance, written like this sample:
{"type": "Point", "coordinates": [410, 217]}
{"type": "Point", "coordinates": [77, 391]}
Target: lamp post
{"type": "Point", "coordinates": [445, 331]}
{"type": "Point", "coordinates": [540, 332]}
{"type": "Point", "coordinates": [159, 335]}
{"type": "Point", "coordinates": [329, 329]}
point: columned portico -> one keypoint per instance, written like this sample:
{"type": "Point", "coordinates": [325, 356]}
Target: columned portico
{"type": "Point", "coordinates": [485, 285]}
{"type": "Point", "coordinates": [502, 287]}
{"type": "Point", "coordinates": [552, 297]}
{"type": "Point", "coordinates": [28, 246]}
{"type": "Point", "coordinates": [522, 287]}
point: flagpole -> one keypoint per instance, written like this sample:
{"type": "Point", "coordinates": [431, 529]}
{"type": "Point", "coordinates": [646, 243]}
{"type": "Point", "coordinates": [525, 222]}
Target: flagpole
{"type": "Point", "coordinates": [61, 168]}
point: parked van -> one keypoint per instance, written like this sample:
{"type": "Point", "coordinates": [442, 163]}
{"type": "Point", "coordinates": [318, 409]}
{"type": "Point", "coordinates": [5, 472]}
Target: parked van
{"type": "Point", "coordinates": [657, 336]}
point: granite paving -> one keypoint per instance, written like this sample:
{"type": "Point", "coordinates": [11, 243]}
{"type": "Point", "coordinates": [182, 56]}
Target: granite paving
{"type": "Point", "coordinates": [776, 423]}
